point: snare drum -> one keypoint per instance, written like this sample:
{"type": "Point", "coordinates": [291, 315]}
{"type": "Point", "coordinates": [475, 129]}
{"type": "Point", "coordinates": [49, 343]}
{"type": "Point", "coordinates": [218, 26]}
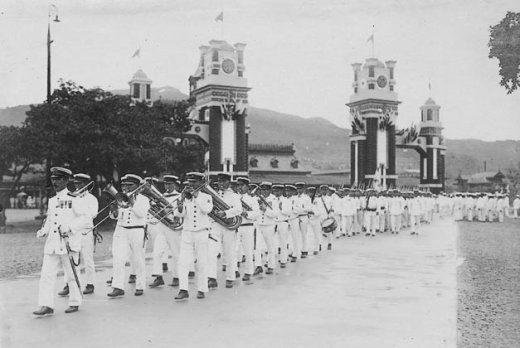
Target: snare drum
{"type": "Point", "coordinates": [329, 225]}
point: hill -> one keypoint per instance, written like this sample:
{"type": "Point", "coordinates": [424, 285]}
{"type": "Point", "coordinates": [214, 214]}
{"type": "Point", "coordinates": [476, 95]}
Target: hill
{"type": "Point", "coordinates": [322, 145]}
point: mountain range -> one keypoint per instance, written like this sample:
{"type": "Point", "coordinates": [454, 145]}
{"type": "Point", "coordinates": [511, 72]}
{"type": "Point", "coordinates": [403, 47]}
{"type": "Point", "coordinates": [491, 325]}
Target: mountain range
{"type": "Point", "coordinates": [321, 145]}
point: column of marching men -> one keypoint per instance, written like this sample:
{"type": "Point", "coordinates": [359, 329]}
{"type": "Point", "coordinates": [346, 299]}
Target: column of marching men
{"type": "Point", "coordinates": [251, 228]}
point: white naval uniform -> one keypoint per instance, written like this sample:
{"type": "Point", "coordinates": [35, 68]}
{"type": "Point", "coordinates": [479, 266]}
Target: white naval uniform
{"type": "Point", "coordinates": [60, 216]}
{"type": "Point", "coordinates": [227, 236]}
{"type": "Point", "coordinates": [327, 205]}
{"type": "Point", "coordinates": [348, 213]}
{"type": "Point", "coordinates": [194, 240]}
{"type": "Point", "coordinates": [371, 215]}
{"type": "Point", "coordinates": [167, 241]}
{"type": "Point", "coordinates": [303, 207]}
{"type": "Point", "coordinates": [317, 216]}
{"type": "Point", "coordinates": [129, 242]}
{"type": "Point", "coordinates": [516, 207]}
{"type": "Point", "coordinates": [395, 209]}
{"type": "Point", "coordinates": [247, 232]}
{"type": "Point", "coordinates": [416, 210]}
{"type": "Point", "coordinates": [266, 222]}
{"type": "Point", "coordinates": [290, 213]}
{"type": "Point", "coordinates": [85, 208]}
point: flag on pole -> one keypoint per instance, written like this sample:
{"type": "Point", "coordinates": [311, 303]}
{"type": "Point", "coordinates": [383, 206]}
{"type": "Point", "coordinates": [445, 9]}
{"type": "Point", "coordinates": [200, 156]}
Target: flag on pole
{"type": "Point", "coordinates": [220, 17]}
{"type": "Point", "coordinates": [137, 53]}
{"type": "Point", "coordinates": [371, 38]}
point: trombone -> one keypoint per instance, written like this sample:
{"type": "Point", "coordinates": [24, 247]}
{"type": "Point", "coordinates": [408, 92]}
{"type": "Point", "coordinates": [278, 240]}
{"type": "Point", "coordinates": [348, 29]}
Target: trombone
{"type": "Point", "coordinates": [80, 192]}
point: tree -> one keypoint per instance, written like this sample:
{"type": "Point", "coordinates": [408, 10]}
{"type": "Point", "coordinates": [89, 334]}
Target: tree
{"type": "Point", "coordinates": [18, 152]}
{"type": "Point", "coordinates": [99, 133]}
{"type": "Point", "coordinates": [504, 44]}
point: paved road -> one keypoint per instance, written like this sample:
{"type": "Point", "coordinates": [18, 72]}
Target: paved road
{"type": "Point", "coordinates": [387, 291]}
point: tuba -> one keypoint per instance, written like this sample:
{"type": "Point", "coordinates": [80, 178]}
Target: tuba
{"type": "Point", "coordinates": [160, 207]}
{"type": "Point", "coordinates": [220, 205]}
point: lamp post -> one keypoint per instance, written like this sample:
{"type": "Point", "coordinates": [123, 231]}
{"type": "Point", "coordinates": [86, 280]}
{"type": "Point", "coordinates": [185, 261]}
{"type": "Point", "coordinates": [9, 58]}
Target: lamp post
{"type": "Point", "coordinates": [53, 11]}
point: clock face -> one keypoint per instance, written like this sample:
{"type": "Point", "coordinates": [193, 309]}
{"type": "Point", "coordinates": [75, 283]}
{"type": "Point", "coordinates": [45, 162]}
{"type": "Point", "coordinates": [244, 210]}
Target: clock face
{"type": "Point", "coordinates": [228, 66]}
{"type": "Point", "coordinates": [381, 81]}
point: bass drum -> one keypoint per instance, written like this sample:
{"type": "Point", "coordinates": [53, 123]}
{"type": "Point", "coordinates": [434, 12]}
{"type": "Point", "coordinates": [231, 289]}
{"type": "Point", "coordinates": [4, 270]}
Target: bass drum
{"type": "Point", "coordinates": [329, 225]}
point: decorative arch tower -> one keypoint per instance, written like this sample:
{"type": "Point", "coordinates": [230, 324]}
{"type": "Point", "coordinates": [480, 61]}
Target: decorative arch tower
{"type": "Point", "coordinates": [432, 141]}
{"type": "Point", "coordinates": [140, 88]}
{"type": "Point", "coordinates": [220, 91]}
{"type": "Point", "coordinates": [373, 111]}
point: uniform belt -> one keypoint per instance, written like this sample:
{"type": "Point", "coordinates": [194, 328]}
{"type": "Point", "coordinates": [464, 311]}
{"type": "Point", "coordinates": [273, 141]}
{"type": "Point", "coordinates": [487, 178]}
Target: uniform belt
{"type": "Point", "coordinates": [302, 215]}
{"type": "Point", "coordinates": [247, 224]}
{"type": "Point", "coordinates": [131, 227]}
{"type": "Point", "coordinates": [371, 209]}
{"type": "Point", "coordinates": [283, 221]}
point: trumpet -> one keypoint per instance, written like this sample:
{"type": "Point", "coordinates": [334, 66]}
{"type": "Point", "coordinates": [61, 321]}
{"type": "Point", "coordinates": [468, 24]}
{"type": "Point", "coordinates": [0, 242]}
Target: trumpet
{"type": "Point", "coordinates": [80, 192]}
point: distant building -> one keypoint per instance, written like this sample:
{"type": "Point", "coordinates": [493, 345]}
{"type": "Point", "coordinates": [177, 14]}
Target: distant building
{"type": "Point", "coordinates": [481, 182]}
{"type": "Point", "coordinates": [275, 163]}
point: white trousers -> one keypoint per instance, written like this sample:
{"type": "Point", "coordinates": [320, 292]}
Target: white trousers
{"type": "Point", "coordinates": [167, 242]}
{"type": "Point", "coordinates": [194, 245]}
{"type": "Point", "coordinates": [87, 258]}
{"type": "Point", "coordinates": [296, 237]}
{"type": "Point", "coordinates": [316, 232]}
{"type": "Point", "coordinates": [415, 223]}
{"type": "Point", "coordinates": [268, 236]}
{"type": "Point", "coordinates": [128, 244]}
{"type": "Point", "coordinates": [371, 222]}
{"type": "Point", "coordinates": [304, 228]}
{"type": "Point", "coordinates": [247, 236]}
{"type": "Point", "coordinates": [395, 222]}
{"type": "Point", "coordinates": [52, 263]}
{"type": "Point", "coordinates": [347, 223]}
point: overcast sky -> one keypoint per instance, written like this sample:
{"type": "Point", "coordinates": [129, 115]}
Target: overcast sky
{"type": "Point", "coordinates": [298, 56]}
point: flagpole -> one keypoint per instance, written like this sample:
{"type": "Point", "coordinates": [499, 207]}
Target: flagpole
{"type": "Point", "coordinates": [373, 39]}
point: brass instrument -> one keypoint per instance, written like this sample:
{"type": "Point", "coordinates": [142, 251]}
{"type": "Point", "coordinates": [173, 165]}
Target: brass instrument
{"type": "Point", "coordinates": [264, 201]}
{"type": "Point", "coordinates": [80, 192]}
{"type": "Point", "coordinates": [220, 205]}
{"type": "Point", "coordinates": [160, 207]}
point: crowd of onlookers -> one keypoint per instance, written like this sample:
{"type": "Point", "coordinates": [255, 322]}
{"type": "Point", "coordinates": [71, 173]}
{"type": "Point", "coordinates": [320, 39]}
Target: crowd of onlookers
{"type": "Point", "coordinates": [23, 200]}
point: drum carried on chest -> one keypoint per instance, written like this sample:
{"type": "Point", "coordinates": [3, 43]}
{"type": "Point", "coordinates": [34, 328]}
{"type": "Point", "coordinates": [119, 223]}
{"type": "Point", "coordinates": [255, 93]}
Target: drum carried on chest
{"type": "Point", "coordinates": [329, 225]}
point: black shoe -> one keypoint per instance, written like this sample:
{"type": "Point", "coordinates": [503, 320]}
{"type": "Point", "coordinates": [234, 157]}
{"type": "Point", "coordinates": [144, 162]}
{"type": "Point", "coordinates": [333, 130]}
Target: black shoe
{"type": "Point", "coordinates": [320, 247]}
{"type": "Point", "coordinates": [229, 284]}
{"type": "Point", "coordinates": [329, 246]}
{"type": "Point", "coordinates": [72, 309]}
{"type": "Point", "coordinates": [293, 259]}
{"type": "Point", "coordinates": [200, 295]}
{"type": "Point", "coordinates": [258, 270]}
{"type": "Point", "coordinates": [116, 293]}
{"type": "Point", "coordinates": [246, 277]}
{"type": "Point", "coordinates": [138, 292]}
{"type": "Point", "coordinates": [191, 275]}
{"type": "Point", "coordinates": [283, 264]}
{"type": "Point", "coordinates": [44, 312]}
{"type": "Point", "coordinates": [157, 282]}
{"type": "Point", "coordinates": [183, 295]}
{"type": "Point", "coordinates": [223, 268]}
{"type": "Point", "coordinates": [89, 289]}
{"type": "Point", "coordinates": [315, 253]}
{"type": "Point", "coordinates": [175, 282]}
{"type": "Point", "coordinates": [109, 282]}
{"type": "Point", "coordinates": [304, 254]}
{"type": "Point", "coordinates": [212, 283]}
{"type": "Point", "coordinates": [269, 271]}
{"type": "Point", "coordinates": [65, 291]}
{"type": "Point", "coordinates": [237, 274]}
{"type": "Point", "coordinates": [131, 279]}
{"type": "Point", "coordinates": [165, 267]}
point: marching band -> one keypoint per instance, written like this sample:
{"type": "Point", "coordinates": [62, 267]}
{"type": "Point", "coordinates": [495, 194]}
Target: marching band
{"type": "Point", "coordinates": [245, 225]}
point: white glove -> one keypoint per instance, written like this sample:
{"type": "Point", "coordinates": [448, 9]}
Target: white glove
{"type": "Point", "coordinates": [40, 234]}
